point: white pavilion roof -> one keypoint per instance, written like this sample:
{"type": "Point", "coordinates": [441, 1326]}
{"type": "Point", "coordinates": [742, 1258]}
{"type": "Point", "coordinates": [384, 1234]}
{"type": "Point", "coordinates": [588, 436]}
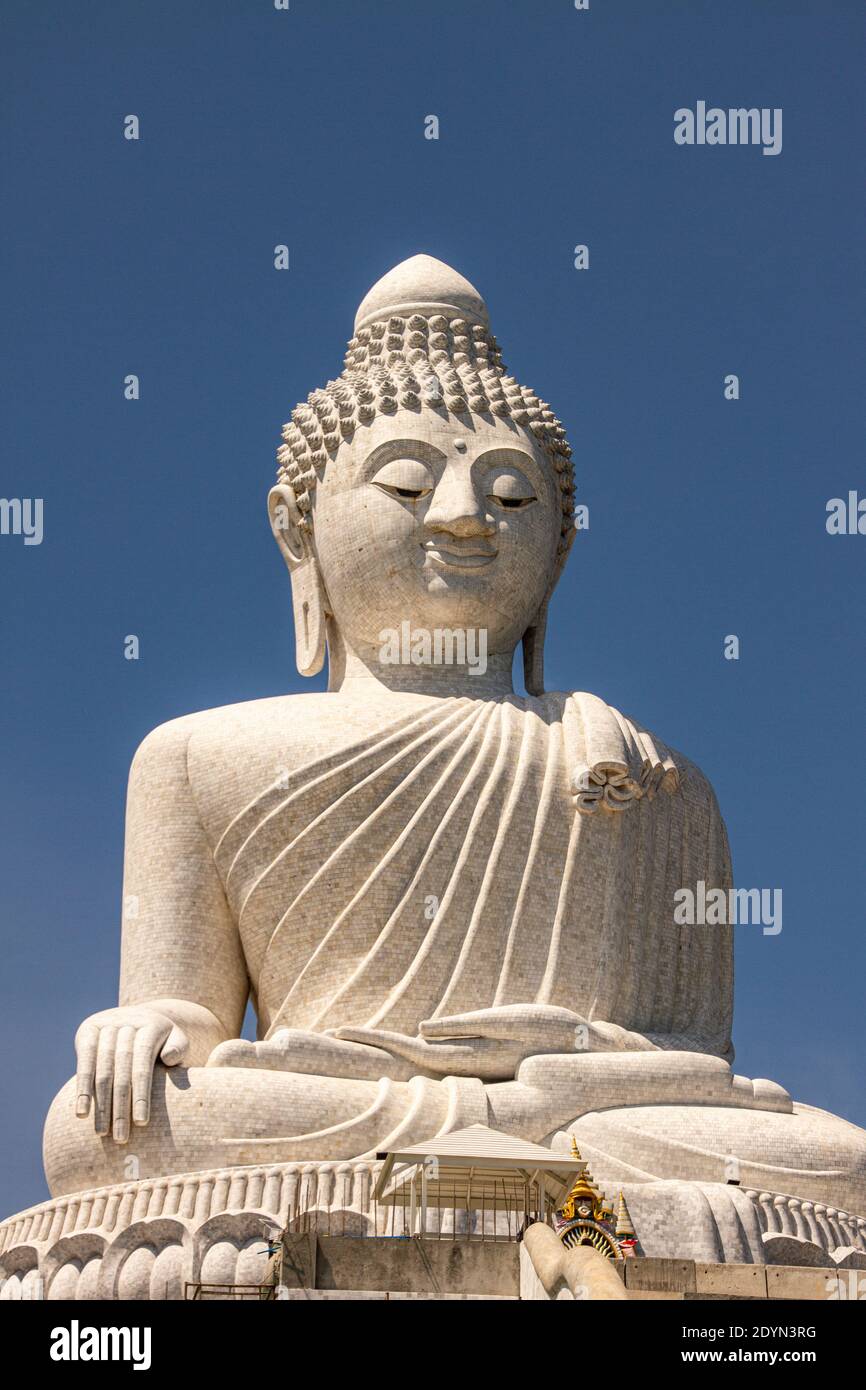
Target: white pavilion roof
{"type": "Point", "coordinates": [478, 1158]}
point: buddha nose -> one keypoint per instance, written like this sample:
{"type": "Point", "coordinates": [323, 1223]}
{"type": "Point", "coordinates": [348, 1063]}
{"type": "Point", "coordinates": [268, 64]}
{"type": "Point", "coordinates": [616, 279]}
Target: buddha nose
{"type": "Point", "coordinates": [456, 508]}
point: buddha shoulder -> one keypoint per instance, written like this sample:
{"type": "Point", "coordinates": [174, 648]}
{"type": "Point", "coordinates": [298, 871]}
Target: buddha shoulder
{"type": "Point", "coordinates": [617, 759]}
{"type": "Point", "coordinates": [239, 748]}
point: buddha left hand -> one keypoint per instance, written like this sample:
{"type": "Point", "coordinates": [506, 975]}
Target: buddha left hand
{"type": "Point", "coordinates": [491, 1043]}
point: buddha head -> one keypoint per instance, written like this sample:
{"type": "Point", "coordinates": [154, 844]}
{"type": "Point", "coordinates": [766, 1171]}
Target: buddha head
{"type": "Point", "coordinates": [424, 486]}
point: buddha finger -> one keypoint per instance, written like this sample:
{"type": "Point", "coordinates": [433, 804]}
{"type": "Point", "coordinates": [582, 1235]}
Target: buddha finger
{"type": "Point", "coordinates": [148, 1042]}
{"type": "Point", "coordinates": [546, 1025]}
{"type": "Point", "coordinates": [486, 1058]}
{"type": "Point", "coordinates": [489, 1059]}
{"type": "Point", "coordinates": [415, 1050]}
{"type": "Point", "coordinates": [104, 1079]}
{"type": "Point", "coordinates": [86, 1043]}
{"type": "Point", "coordinates": [397, 1043]}
{"type": "Point", "coordinates": [482, 1023]}
{"type": "Point", "coordinates": [174, 1048]}
{"type": "Point", "coordinates": [122, 1084]}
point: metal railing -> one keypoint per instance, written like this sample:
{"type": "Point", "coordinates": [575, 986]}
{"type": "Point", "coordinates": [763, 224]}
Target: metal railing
{"type": "Point", "coordinates": [197, 1293]}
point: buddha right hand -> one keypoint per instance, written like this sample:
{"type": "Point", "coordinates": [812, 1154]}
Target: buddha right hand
{"type": "Point", "coordinates": [117, 1050]}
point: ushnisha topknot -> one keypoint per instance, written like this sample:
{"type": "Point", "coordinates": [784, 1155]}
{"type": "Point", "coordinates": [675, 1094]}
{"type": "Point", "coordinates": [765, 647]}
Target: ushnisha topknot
{"type": "Point", "coordinates": [422, 341]}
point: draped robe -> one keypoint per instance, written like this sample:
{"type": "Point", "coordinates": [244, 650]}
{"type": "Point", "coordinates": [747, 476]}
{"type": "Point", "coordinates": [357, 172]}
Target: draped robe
{"type": "Point", "coordinates": [443, 865]}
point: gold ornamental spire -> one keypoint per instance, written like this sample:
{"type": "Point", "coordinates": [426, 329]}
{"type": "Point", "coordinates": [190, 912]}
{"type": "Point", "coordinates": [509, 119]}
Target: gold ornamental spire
{"type": "Point", "coordinates": [624, 1228]}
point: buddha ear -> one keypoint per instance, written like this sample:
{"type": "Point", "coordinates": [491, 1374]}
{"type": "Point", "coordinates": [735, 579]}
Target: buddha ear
{"type": "Point", "coordinates": [308, 594]}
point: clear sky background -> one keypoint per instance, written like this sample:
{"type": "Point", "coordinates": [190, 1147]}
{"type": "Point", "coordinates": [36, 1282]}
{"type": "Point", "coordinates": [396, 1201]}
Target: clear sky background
{"type": "Point", "coordinates": [707, 517]}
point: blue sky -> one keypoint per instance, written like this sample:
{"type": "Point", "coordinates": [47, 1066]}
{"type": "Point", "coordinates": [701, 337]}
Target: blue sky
{"type": "Point", "coordinates": [707, 517]}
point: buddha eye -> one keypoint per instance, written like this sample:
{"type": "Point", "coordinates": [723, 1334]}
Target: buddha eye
{"type": "Point", "coordinates": [510, 490]}
{"type": "Point", "coordinates": [512, 502]}
{"type": "Point", "coordinates": [405, 491]}
{"type": "Point", "coordinates": [405, 479]}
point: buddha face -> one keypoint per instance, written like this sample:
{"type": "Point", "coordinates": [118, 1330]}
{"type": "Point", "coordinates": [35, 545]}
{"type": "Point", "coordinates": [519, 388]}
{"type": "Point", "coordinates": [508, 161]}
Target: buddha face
{"type": "Point", "coordinates": [444, 523]}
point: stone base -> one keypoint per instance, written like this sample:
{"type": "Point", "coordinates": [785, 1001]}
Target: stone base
{"type": "Point", "coordinates": [148, 1239]}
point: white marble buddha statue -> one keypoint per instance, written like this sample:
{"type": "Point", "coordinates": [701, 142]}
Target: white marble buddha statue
{"type": "Point", "coordinates": [447, 903]}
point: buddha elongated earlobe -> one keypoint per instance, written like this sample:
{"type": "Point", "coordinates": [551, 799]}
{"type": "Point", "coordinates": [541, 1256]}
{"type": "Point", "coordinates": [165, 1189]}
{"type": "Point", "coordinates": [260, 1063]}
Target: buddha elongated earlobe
{"type": "Point", "coordinates": [533, 653]}
{"type": "Point", "coordinates": [308, 603]}
{"type": "Point", "coordinates": [308, 593]}
{"type": "Point", "coordinates": [533, 637]}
